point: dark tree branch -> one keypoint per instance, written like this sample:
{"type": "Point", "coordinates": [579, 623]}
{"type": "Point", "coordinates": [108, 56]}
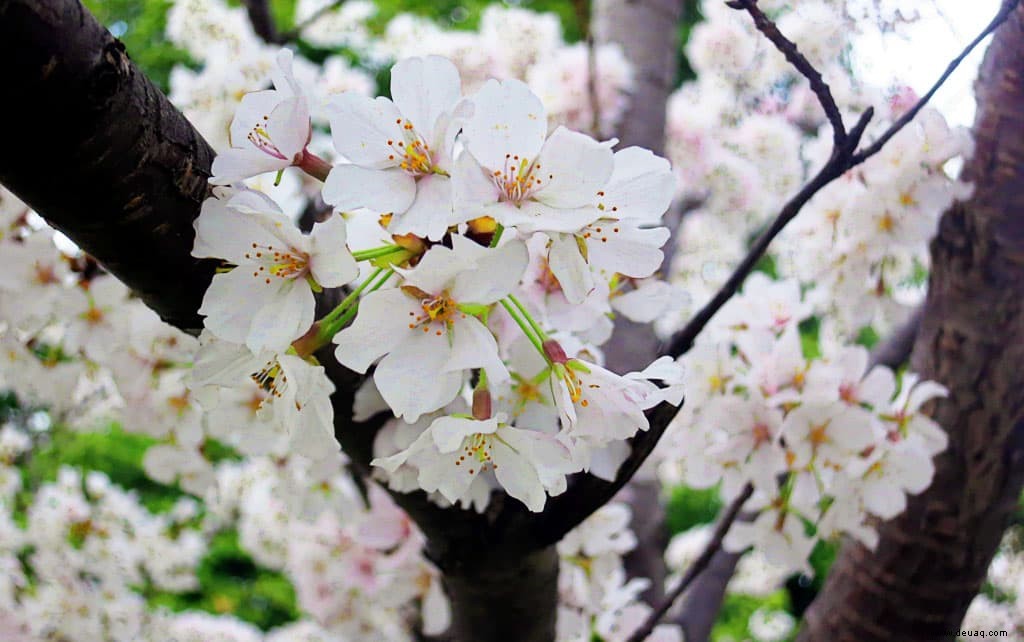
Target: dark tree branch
{"type": "Point", "coordinates": [262, 21]}
{"type": "Point", "coordinates": [102, 155]}
{"type": "Point", "coordinates": [788, 49]}
{"type": "Point", "coordinates": [895, 349]}
{"type": "Point", "coordinates": [295, 33]}
{"type": "Point", "coordinates": [699, 564]}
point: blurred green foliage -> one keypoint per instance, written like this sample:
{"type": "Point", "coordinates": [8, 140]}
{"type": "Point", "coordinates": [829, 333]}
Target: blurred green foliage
{"type": "Point", "coordinates": [140, 26]}
{"type": "Point", "coordinates": [230, 582]}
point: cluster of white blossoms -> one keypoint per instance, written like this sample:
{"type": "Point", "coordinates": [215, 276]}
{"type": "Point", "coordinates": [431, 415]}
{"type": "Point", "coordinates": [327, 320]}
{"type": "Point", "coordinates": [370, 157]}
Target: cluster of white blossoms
{"type": "Point", "coordinates": [826, 442]}
{"type": "Point", "coordinates": [495, 251]}
{"type": "Point", "coordinates": [74, 562]}
{"type": "Point", "coordinates": [510, 43]}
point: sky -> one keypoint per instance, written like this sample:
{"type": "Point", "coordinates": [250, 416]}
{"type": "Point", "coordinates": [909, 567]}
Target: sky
{"type": "Point", "coordinates": [920, 50]}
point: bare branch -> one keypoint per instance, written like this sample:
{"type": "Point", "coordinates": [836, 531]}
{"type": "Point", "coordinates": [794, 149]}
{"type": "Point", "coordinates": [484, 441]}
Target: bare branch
{"type": "Point", "coordinates": [895, 349]}
{"type": "Point", "coordinates": [699, 564]}
{"type": "Point", "coordinates": [788, 49]}
{"type": "Point", "coordinates": [295, 33]}
{"type": "Point", "coordinates": [262, 21]}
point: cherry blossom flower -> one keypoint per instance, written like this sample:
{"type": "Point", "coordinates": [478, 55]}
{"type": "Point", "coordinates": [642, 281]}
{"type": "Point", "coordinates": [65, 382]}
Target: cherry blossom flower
{"type": "Point", "coordinates": [426, 340]}
{"type": "Point", "coordinates": [400, 152]}
{"type": "Point", "coordinates": [270, 130]}
{"type": "Point", "coordinates": [267, 300]}
{"type": "Point", "coordinates": [825, 434]}
{"type": "Point", "coordinates": [516, 174]}
{"type": "Point", "coordinates": [453, 451]}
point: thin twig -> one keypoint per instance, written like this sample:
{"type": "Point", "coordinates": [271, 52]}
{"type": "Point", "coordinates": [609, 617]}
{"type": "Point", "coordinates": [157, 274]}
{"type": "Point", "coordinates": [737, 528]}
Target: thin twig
{"type": "Point", "coordinates": [294, 33]}
{"type": "Point", "coordinates": [699, 564]}
{"type": "Point", "coordinates": [875, 147]}
{"type": "Point", "coordinates": [834, 168]}
{"type": "Point", "coordinates": [262, 21]}
{"type": "Point", "coordinates": [789, 49]}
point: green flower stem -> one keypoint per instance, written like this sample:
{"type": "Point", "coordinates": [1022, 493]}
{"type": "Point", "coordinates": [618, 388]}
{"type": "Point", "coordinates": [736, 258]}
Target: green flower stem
{"type": "Point", "coordinates": [340, 309]}
{"type": "Point", "coordinates": [497, 235]}
{"type": "Point", "coordinates": [524, 326]}
{"type": "Point", "coordinates": [376, 252]}
{"type": "Point", "coordinates": [351, 312]}
{"type": "Point", "coordinates": [533, 324]}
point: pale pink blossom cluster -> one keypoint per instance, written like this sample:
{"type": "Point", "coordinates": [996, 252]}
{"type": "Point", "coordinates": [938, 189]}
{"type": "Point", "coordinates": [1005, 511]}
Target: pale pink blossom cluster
{"type": "Point", "coordinates": [748, 132]}
{"type": "Point", "coordinates": [827, 443]}
{"type": "Point", "coordinates": [1001, 606]}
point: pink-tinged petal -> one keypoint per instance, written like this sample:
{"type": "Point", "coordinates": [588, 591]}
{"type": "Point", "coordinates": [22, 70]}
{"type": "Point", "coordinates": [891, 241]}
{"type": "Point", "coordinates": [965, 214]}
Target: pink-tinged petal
{"type": "Point", "coordinates": [312, 439]}
{"type": "Point", "coordinates": [431, 213]}
{"type": "Point", "coordinates": [570, 268]}
{"type": "Point", "coordinates": [423, 89]}
{"type": "Point", "coordinates": [380, 326]}
{"type": "Point", "coordinates": [534, 216]}
{"type": "Point", "coordinates": [439, 473]}
{"type": "Point", "coordinates": [436, 270]}
{"type": "Point", "coordinates": [448, 433]}
{"type": "Point", "coordinates": [249, 201]}
{"type": "Point", "coordinates": [349, 187]}
{"type": "Point", "coordinates": [497, 273]}
{"type": "Point", "coordinates": [641, 186]}
{"type": "Point", "coordinates": [231, 302]}
{"type": "Point", "coordinates": [224, 363]}
{"type": "Point", "coordinates": [330, 262]}
{"type": "Point", "coordinates": [282, 75]}
{"type": "Point", "coordinates": [283, 318]}
{"type": "Point", "coordinates": [923, 393]}
{"type": "Point", "coordinates": [878, 387]}
{"type": "Point", "coordinates": [646, 303]}
{"type": "Point", "coordinates": [508, 119]}
{"type": "Point", "coordinates": [615, 246]}
{"type": "Point", "coordinates": [851, 429]}
{"type": "Point", "coordinates": [361, 128]}
{"type": "Point", "coordinates": [885, 500]}
{"type": "Point", "coordinates": [412, 378]}
{"type": "Point", "coordinates": [253, 111]}
{"type": "Point", "coordinates": [473, 189]}
{"type": "Point", "coordinates": [518, 477]}
{"type": "Point", "coordinates": [473, 346]}
{"type": "Point", "coordinates": [288, 127]}
{"type": "Point", "coordinates": [226, 234]}
{"type": "Point", "coordinates": [237, 163]}
{"type": "Point", "coordinates": [573, 169]}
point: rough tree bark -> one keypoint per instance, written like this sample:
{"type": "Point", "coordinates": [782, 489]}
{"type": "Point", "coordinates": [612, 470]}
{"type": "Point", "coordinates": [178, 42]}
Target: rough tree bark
{"type": "Point", "coordinates": [932, 560]}
{"type": "Point", "coordinates": [92, 144]}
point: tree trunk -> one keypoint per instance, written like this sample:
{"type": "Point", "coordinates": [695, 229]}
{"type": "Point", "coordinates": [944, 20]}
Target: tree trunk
{"type": "Point", "coordinates": [647, 31]}
{"type": "Point", "coordinates": [504, 599]}
{"type": "Point", "coordinates": [932, 559]}
{"type": "Point", "coordinates": [94, 147]}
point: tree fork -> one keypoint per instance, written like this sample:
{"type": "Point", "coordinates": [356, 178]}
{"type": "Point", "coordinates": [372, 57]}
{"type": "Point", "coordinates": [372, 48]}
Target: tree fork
{"type": "Point", "coordinates": [932, 559]}
{"type": "Point", "coordinates": [94, 147]}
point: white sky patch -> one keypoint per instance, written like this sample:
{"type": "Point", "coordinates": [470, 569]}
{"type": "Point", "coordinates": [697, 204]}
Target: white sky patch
{"type": "Point", "coordinates": [917, 52]}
